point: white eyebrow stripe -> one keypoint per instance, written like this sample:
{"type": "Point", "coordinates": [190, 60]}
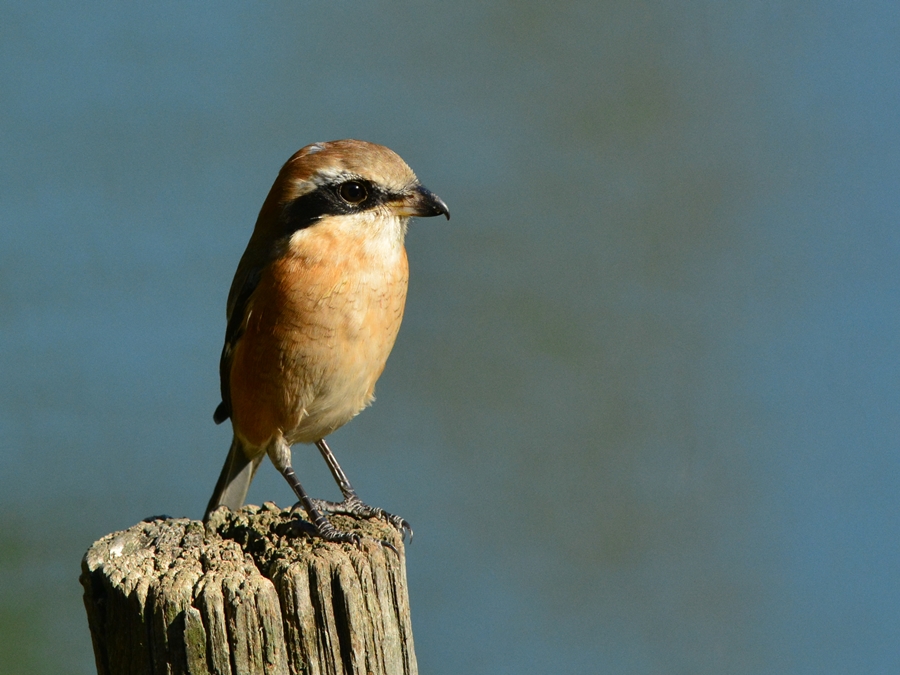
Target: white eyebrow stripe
{"type": "Point", "coordinates": [332, 175]}
{"type": "Point", "coordinates": [319, 179]}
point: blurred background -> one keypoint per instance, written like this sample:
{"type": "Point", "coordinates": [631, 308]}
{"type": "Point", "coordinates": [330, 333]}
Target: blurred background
{"type": "Point", "coordinates": [643, 410]}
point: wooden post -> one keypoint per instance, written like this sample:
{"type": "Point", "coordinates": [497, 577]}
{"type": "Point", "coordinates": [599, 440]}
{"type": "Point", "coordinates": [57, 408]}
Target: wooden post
{"type": "Point", "coordinates": [249, 592]}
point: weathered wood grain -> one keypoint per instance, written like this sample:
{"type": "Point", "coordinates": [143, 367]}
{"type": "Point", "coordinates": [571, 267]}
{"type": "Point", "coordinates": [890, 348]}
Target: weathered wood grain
{"type": "Point", "coordinates": [249, 592]}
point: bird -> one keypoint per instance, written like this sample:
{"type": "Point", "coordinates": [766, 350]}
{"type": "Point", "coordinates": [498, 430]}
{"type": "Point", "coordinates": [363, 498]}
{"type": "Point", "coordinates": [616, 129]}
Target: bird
{"type": "Point", "coordinates": [312, 315]}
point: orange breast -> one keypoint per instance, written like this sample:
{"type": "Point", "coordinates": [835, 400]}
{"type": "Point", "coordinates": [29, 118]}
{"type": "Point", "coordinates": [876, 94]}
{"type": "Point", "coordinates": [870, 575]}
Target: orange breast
{"type": "Point", "coordinates": [318, 330]}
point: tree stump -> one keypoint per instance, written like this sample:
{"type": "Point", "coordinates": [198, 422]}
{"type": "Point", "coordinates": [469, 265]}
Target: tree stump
{"type": "Point", "coordinates": [249, 592]}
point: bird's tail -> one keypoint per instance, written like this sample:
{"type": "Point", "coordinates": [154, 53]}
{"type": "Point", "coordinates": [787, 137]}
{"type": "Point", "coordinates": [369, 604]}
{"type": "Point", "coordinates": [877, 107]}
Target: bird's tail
{"type": "Point", "coordinates": [234, 481]}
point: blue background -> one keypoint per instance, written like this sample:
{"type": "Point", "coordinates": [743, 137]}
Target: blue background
{"type": "Point", "coordinates": [643, 409]}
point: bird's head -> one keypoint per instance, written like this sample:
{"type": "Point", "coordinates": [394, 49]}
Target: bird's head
{"type": "Point", "coordinates": [350, 182]}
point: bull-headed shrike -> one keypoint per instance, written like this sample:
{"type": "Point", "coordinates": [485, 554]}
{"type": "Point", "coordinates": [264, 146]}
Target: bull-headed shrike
{"type": "Point", "coordinates": [313, 312]}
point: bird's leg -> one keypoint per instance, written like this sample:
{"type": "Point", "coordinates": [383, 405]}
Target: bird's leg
{"type": "Point", "coordinates": [280, 454]}
{"type": "Point", "coordinates": [352, 504]}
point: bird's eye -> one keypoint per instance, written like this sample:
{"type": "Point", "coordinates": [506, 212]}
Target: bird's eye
{"type": "Point", "coordinates": [353, 192]}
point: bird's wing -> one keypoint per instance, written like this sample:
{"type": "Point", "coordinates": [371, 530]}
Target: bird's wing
{"type": "Point", "coordinates": [246, 279]}
{"type": "Point", "coordinates": [275, 225]}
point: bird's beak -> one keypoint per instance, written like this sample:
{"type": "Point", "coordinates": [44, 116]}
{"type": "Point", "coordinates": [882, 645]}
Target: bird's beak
{"type": "Point", "coordinates": [420, 202]}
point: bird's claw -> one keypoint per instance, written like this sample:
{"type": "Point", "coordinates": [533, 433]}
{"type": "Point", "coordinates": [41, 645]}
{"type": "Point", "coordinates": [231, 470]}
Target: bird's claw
{"type": "Point", "coordinates": [329, 532]}
{"type": "Point", "coordinates": [322, 528]}
{"type": "Point", "coordinates": [354, 506]}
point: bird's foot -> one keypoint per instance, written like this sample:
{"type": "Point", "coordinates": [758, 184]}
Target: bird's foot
{"type": "Point", "coordinates": [354, 506]}
{"type": "Point", "coordinates": [325, 530]}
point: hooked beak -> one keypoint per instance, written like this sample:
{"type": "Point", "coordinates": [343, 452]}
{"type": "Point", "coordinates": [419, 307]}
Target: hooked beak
{"type": "Point", "coordinates": [420, 202]}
